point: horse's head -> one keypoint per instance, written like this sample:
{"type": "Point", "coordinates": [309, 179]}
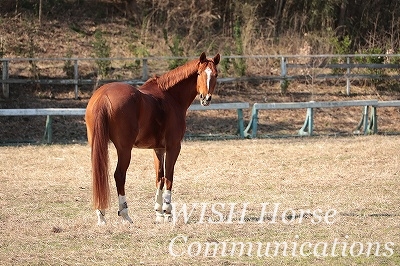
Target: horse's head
{"type": "Point", "coordinates": [207, 77]}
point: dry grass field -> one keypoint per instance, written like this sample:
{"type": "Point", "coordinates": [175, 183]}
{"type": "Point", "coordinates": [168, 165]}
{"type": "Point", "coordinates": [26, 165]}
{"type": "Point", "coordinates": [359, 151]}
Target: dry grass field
{"type": "Point", "coordinates": [349, 185]}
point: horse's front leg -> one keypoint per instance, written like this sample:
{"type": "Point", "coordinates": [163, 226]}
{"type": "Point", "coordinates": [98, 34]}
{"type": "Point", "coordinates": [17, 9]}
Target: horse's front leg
{"type": "Point", "coordinates": [124, 158]}
{"type": "Point", "coordinates": [171, 156]}
{"type": "Point", "coordinates": [159, 165]}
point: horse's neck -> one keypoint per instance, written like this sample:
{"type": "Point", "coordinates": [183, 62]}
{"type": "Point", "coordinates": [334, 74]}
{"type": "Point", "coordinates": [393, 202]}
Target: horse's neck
{"type": "Point", "coordinates": [185, 91]}
{"type": "Point", "coordinates": [177, 75]}
{"type": "Point", "coordinates": [180, 83]}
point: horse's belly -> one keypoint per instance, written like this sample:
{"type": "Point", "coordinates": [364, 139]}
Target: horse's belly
{"type": "Point", "coordinates": [149, 138]}
{"type": "Point", "coordinates": [148, 143]}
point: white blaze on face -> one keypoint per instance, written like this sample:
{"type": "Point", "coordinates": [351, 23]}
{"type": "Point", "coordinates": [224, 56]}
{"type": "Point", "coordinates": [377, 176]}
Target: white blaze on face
{"type": "Point", "coordinates": [208, 72]}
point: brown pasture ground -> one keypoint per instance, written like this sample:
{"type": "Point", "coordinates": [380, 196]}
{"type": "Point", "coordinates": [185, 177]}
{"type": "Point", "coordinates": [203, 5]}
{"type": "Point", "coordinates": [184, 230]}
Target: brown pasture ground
{"type": "Point", "coordinates": [350, 184]}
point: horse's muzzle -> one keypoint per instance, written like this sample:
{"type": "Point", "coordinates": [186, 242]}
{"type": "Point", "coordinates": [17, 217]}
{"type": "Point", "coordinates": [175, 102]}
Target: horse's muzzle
{"type": "Point", "coordinates": [205, 101]}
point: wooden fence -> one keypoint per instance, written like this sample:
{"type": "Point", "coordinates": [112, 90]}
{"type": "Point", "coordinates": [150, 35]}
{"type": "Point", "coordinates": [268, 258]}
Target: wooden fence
{"type": "Point", "coordinates": [308, 126]}
{"type": "Point", "coordinates": [50, 112]}
{"type": "Point", "coordinates": [280, 68]}
{"type": "Point", "coordinates": [368, 122]}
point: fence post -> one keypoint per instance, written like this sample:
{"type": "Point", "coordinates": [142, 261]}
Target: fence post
{"type": "Point", "coordinates": [254, 118]}
{"type": "Point", "coordinates": [240, 123]}
{"type": "Point", "coordinates": [76, 76]}
{"type": "Point", "coordinates": [373, 125]}
{"type": "Point", "coordinates": [365, 117]}
{"type": "Point", "coordinates": [145, 70]}
{"type": "Point", "coordinates": [284, 82]}
{"type": "Point", "coordinates": [6, 86]}
{"type": "Point", "coordinates": [48, 131]}
{"type": "Point", "coordinates": [347, 78]}
{"type": "Point", "coordinates": [308, 123]}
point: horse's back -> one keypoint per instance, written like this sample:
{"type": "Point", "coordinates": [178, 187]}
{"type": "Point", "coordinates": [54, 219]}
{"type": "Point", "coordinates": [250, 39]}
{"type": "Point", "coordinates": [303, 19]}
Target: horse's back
{"type": "Point", "coordinates": [117, 94]}
{"type": "Point", "coordinates": [135, 118]}
{"type": "Point", "coordinates": [121, 101]}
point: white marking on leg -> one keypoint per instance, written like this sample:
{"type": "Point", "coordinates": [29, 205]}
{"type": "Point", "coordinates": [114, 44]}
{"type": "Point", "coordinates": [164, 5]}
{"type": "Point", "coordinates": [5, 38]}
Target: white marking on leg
{"type": "Point", "coordinates": [158, 206]}
{"type": "Point", "coordinates": [167, 196]}
{"type": "Point", "coordinates": [123, 208]}
{"type": "Point", "coordinates": [159, 200]}
{"type": "Point", "coordinates": [167, 207]}
{"type": "Point", "coordinates": [121, 200]}
{"type": "Point", "coordinates": [100, 217]}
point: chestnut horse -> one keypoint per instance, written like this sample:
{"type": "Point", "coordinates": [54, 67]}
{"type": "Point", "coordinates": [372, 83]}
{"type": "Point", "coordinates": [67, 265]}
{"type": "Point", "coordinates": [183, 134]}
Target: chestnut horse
{"type": "Point", "coordinates": [151, 117]}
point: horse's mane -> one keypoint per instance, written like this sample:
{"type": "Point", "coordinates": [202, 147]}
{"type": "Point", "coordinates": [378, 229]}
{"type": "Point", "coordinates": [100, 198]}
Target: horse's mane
{"type": "Point", "coordinates": [176, 75]}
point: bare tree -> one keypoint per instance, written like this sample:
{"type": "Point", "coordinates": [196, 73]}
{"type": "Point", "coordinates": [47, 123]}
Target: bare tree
{"type": "Point", "coordinates": [40, 11]}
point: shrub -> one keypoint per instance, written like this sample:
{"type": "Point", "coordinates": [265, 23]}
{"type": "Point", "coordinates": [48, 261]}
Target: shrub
{"type": "Point", "coordinates": [102, 50]}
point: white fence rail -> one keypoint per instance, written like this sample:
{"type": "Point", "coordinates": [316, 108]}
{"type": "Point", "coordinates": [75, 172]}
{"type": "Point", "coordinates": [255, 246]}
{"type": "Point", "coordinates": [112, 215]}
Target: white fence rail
{"type": "Point", "coordinates": [49, 112]}
{"type": "Point", "coordinates": [368, 121]}
{"type": "Point", "coordinates": [310, 106]}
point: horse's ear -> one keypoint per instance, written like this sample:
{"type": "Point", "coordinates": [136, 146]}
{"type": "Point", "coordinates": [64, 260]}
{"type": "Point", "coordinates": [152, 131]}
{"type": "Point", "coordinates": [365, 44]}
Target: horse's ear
{"type": "Point", "coordinates": [216, 59]}
{"type": "Point", "coordinates": [203, 57]}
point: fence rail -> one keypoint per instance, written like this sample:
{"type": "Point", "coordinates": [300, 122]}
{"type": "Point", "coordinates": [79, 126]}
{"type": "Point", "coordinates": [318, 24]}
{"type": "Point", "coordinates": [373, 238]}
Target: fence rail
{"type": "Point", "coordinates": [308, 126]}
{"type": "Point", "coordinates": [302, 63]}
{"type": "Point", "coordinates": [368, 122]}
{"type": "Point", "coordinates": [49, 112]}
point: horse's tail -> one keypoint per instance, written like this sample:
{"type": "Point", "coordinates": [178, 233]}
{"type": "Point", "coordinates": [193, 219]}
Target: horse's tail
{"type": "Point", "coordinates": [100, 160]}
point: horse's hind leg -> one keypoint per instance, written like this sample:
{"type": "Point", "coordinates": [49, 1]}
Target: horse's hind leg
{"type": "Point", "coordinates": [100, 217]}
{"type": "Point", "coordinates": [124, 158]}
{"type": "Point", "coordinates": [164, 162]}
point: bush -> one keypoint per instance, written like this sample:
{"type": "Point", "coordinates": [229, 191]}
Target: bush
{"type": "Point", "coordinates": [341, 47]}
{"type": "Point", "coordinates": [176, 50]}
{"type": "Point", "coordinates": [102, 50]}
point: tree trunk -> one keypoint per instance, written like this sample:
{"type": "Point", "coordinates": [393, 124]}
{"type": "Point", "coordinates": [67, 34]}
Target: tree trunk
{"type": "Point", "coordinates": [342, 17]}
{"type": "Point", "coordinates": [40, 11]}
{"type": "Point", "coordinates": [278, 16]}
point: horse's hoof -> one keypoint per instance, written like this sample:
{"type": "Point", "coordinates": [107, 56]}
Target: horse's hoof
{"type": "Point", "coordinates": [100, 218]}
{"type": "Point", "coordinates": [167, 218]}
{"type": "Point", "coordinates": [124, 214]}
{"type": "Point", "coordinates": [127, 219]}
{"type": "Point", "coordinates": [167, 207]}
{"type": "Point", "coordinates": [158, 207]}
{"type": "Point", "coordinates": [159, 217]}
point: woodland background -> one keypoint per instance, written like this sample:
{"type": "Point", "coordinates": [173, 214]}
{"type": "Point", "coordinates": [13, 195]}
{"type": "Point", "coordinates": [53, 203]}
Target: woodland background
{"type": "Point", "coordinates": [152, 28]}
{"type": "Point", "coordinates": [358, 176]}
{"type": "Point", "coordinates": [137, 28]}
